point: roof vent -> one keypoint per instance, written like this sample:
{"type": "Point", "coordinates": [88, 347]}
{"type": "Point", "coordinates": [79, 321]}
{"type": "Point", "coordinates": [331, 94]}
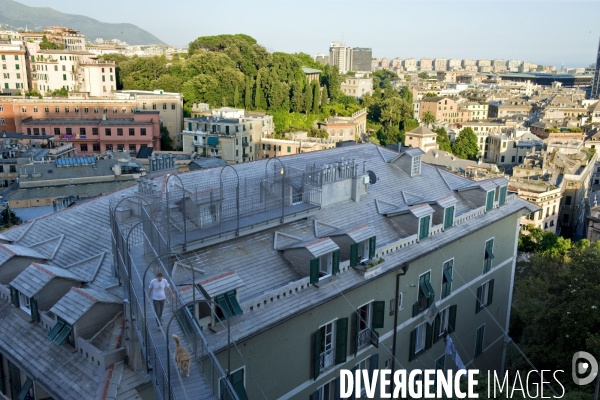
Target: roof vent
{"type": "Point", "coordinates": [372, 177]}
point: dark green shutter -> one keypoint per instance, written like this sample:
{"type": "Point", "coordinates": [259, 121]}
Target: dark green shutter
{"type": "Point", "coordinates": [452, 319]}
{"type": "Point", "coordinates": [490, 292]}
{"type": "Point", "coordinates": [335, 268]}
{"type": "Point", "coordinates": [14, 296]}
{"type": "Point", "coordinates": [57, 328]}
{"type": "Point", "coordinates": [415, 310]}
{"type": "Point", "coordinates": [337, 389]}
{"type": "Point", "coordinates": [314, 395]}
{"type": "Point", "coordinates": [449, 217]}
{"type": "Point", "coordinates": [490, 201]}
{"type": "Point", "coordinates": [375, 338]}
{"type": "Point", "coordinates": [378, 314]}
{"type": "Point", "coordinates": [502, 197]}
{"type": "Point", "coordinates": [428, 336]}
{"type": "Point", "coordinates": [356, 330]}
{"type": "Point", "coordinates": [63, 335]}
{"type": "Point", "coordinates": [373, 364]}
{"type": "Point", "coordinates": [237, 381]}
{"type": "Point", "coordinates": [317, 353]}
{"type": "Point", "coordinates": [478, 300]}
{"type": "Point", "coordinates": [372, 245]}
{"type": "Point", "coordinates": [233, 303]}
{"type": "Point", "coordinates": [413, 344]}
{"type": "Point", "coordinates": [354, 255]}
{"type": "Point", "coordinates": [436, 329]}
{"type": "Point", "coordinates": [314, 271]}
{"type": "Point", "coordinates": [35, 315]}
{"type": "Point", "coordinates": [341, 340]}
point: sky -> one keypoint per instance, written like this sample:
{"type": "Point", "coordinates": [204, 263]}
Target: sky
{"type": "Point", "coordinates": [538, 31]}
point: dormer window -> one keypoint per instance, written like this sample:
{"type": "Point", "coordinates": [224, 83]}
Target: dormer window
{"type": "Point", "coordinates": [229, 306]}
{"type": "Point", "coordinates": [362, 251]}
{"type": "Point", "coordinates": [424, 225]}
{"type": "Point", "coordinates": [27, 304]}
{"type": "Point", "coordinates": [62, 332]}
{"type": "Point", "coordinates": [324, 266]}
{"type": "Point", "coordinates": [415, 168]}
{"type": "Point", "coordinates": [502, 196]}
{"type": "Point", "coordinates": [449, 217]}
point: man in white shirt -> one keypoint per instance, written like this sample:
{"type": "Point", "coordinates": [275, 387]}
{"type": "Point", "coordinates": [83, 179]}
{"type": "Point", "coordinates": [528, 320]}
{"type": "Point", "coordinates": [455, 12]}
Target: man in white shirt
{"type": "Point", "coordinates": [156, 293]}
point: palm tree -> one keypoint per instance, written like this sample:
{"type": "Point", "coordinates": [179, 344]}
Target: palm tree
{"type": "Point", "coordinates": [428, 118]}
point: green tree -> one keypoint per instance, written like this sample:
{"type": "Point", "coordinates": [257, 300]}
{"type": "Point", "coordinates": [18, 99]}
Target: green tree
{"type": "Point", "coordinates": [423, 75]}
{"type": "Point", "coordinates": [46, 44]}
{"type": "Point", "coordinates": [332, 79]}
{"type": "Point", "coordinates": [248, 94]}
{"type": "Point", "coordinates": [166, 142]}
{"type": "Point", "coordinates": [236, 97]}
{"type": "Point", "coordinates": [62, 92]}
{"type": "Point", "coordinates": [259, 96]}
{"type": "Point", "coordinates": [466, 145]}
{"type": "Point", "coordinates": [8, 218]}
{"type": "Point", "coordinates": [430, 94]}
{"type": "Point", "coordinates": [406, 94]}
{"type": "Point", "coordinates": [442, 139]}
{"type": "Point", "coordinates": [297, 98]}
{"type": "Point", "coordinates": [324, 97]}
{"type": "Point", "coordinates": [308, 98]}
{"type": "Point", "coordinates": [316, 96]}
{"type": "Point", "coordinates": [383, 77]}
{"type": "Point", "coordinates": [428, 118]}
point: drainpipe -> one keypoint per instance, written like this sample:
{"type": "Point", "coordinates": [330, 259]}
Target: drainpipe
{"type": "Point", "coordinates": [404, 268]}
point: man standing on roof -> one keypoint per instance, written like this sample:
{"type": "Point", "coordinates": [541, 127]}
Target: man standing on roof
{"type": "Point", "coordinates": [156, 293]}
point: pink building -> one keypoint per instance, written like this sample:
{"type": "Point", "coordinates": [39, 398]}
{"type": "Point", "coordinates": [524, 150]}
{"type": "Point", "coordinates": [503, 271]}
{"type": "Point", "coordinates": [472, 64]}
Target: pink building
{"type": "Point", "coordinates": [94, 136]}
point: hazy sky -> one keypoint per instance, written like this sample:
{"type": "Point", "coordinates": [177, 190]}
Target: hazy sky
{"type": "Point", "coordinates": [539, 31]}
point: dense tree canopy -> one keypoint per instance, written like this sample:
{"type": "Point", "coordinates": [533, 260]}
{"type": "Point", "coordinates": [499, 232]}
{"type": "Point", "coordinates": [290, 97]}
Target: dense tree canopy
{"type": "Point", "coordinates": [442, 139]}
{"type": "Point", "coordinates": [466, 145]}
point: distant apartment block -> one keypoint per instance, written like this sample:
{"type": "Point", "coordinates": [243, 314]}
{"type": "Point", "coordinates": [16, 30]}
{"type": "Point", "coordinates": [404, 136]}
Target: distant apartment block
{"type": "Point", "coordinates": [358, 85]}
{"type": "Point", "coordinates": [469, 63]}
{"type": "Point", "coordinates": [322, 59]}
{"type": "Point", "coordinates": [510, 108]}
{"type": "Point", "coordinates": [410, 64]}
{"type": "Point", "coordinates": [440, 64]}
{"type": "Point", "coordinates": [454, 63]}
{"type": "Point", "coordinates": [228, 133]}
{"type": "Point", "coordinates": [542, 194]}
{"type": "Point", "coordinates": [13, 57]}
{"type": "Point", "coordinates": [444, 109]}
{"type": "Point", "coordinates": [357, 59]}
{"type": "Point", "coordinates": [425, 64]}
{"type": "Point", "coordinates": [360, 61]}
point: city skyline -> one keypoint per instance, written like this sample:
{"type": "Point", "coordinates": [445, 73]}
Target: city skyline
{"type": "Point", "coordinates": [405, 28]}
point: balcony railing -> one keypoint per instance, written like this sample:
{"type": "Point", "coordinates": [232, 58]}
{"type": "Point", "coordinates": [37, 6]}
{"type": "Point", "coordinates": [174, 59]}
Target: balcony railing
{"type": "Point", "coordinates": [326, 359]}
{"type": "Point", "coordinates": [364, 337]}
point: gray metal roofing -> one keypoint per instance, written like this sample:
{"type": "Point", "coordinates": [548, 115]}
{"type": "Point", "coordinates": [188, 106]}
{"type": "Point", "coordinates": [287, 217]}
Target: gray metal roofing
{"type": "Point", "coordinates": [36, 276]}
{"type": "Point", "coordinates": [357, 233]}
{"type": "Point", "coordinates": [77, 302]}
{"type": "Point", "coordinates": [83, 191]}
{"type": "Point", "coordinates": [8, 251]}
{"type": "Point", "coordinates": [221, 284]}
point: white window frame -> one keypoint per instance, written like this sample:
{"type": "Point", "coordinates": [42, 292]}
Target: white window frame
{"type": "Point", "coordinates": [396, 304]}
{"type": "Point", "coordinates": [24, 303]}
{"type": "Point", "coordinates": [444, 318]}
{"type": "Point", "coordinates": [482, 339]}
{"type": "Point", "coordinates": [442, 284]}
{"type": "Point", "coordinates": [321, 389]}
{"type": "Point", "coordinates": [415, 166]}
{"type": "Point", "coordinates": [420, 337]}
{"type": "Point", "coordinates": [365, 246]}
{"type": "Point", "coordinates": [363, 364]}
{"type": "Point", "coordinates": [419, 282]}
{"type": "Point", "coordinates": [324, 273]}
{"type": "Point", "coordinates": [331, 349]}
{"type": "Point", "coordinates": [493, 239]}
{"type": "Point", "coordinates": [365, 332]}
{"type": "Point", "coordinates": [485, 290]}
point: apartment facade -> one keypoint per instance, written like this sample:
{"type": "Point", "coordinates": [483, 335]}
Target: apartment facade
{"type": "Point", "coordinates": [357, 86]}
{"type": "Point", "coordinates": [345, 128]}
{"type": "Point", "coordinates": [445, 109]}
{"type": "Point", "coordinates": [96, 136]}
{"type": "Point", "coordinates": [13, 57]}
{"type": "Point", "coordinates": [229, 133]}
{"type": "Point", "coordinates": [595, 93]}
{"type": "Point", "coordinates": [425, 64]}
{"type": "Point", "coordinates": [544, 195]}
{"type": "Point", "coordinates": [422, 138]}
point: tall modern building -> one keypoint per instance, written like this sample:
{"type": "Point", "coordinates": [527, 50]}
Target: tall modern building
{"type": "Point", "coordinates": [357, 59]}
{"type": "Point", "coordinates": [361, 59]}
{"type": "Point", "coordinates": [596, 82]}
{"type": "Point", "coordinates": [338, 55]}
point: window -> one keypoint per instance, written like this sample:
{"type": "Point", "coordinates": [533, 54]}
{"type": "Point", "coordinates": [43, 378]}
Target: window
{"type": "Point", "coordinates": [415, 166]}
{"type": "Point", "coordinates": [172, 106]}
{"type": "Point", "coordinates": [154, 106]}
{"type": "Point", "coordinates": [289, 149]}
{"type": "Point", "coordinates": [424, 223]}
{"type": "Point", "coordinates": [115, 110]}
{"type": "Point", "coordinates": [94, 131]}
{"type": "Point", "coordinates": [421, 339]}
{"type": "Point", "coordinates": [445, 322]}
{"type": "Point", "coordinates": [568, 200]}
{"type": "Point", "coordinates": [109, 147]}
{"type": "Point", "coordinates": [95, 110]}
{"type": "Point", "coordinates": [12, 168]}
{"type": "Point", "coordinates": [132, 147]}
{"type": "Point", "coordinates": [325, 346]}
{"type": "Point", "coordinates": [368, 317]}
{"type": "Point", "coordinates": [123, 110]}
{"type": "Point", "coordinates": [325, 392]}
{"type": "Point", "coordinates": [96, 147]}
{"type": "Point", "coordinates": [396, 304]}
{"type": "Point", "coordinates": [2, 122]}
{"type": "Point", "coordinates": [485, 294]}
{"type": "Point", "coordinates": [83, 147]}
{"type": "Point", "coordinates": [57, 131]}
{"type": "Point", "coordinates": [164, 106]}
{"type": "Point", "coordinates": [69, 131]}
{"type": "Point", "coordinates": [18, 74]}
{"type": "Point", "coordinates": [86, 110]}
{"type": "Point", "coordinates": [238, 381]}
{"type": "Point", "coordinates": [76, 110]}
{"type": "Point", "coordinates": [64, 77]}
{"type": "Point", "coordinates": [103, 78]}
{"type": "Point", "coordinates": [362, 251]}
{"type": "Point", "coordinates": [43, 131]}
{"type": "Point", "coordinates": [447, 278]}
{"type": "Point", "coordinates": [488, 255]}
{"type": "Point", "coordinates": [107, 132]}
{"type": "Point", "coordinates": [2, 107]}
{"type": "Point", "coordinates": [119, 131]}
{"type": "Point", "coordinates": [24, 109]}
{"type": "Point", "coordinates": [143, 131]}
{"type": "Point", "coordinates": [105, 110]}
{"type": "Point", "coordinates": [229, 306]}
{"type": "Point", "coordinates": [111, 78]}
{"type": "Point", "coordinates": [29, 131]}
{"type": "Point", "coordinates": [479, 340]}
{"type": "Point", "coordinates": [448, 217]}
{"type": "Point", "coordinates": [82, 131]}
{"type": "Point", "coordinates": [131, 132]}
{"type": "Point", "coordinates": [426, 294]}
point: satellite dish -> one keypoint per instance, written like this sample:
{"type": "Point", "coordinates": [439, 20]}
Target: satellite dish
{"type": "Point", "coordinates": [372, 177]}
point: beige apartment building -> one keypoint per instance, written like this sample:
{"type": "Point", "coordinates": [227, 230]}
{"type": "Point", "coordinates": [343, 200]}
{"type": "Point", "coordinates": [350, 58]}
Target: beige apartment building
{"type": "Point", "coordinates": [228, 133]}
{"type": "Point", "coordinates": [357, 86]}
{"type": "Point", "coordinates": [13, 57]}
{"type": "Point", "coordinates": [294, 143]}
{"type": "Point", "coordinates": [346, 128]}
{"type": "Point", "coordinates": [422, 138]}
{"type": "Point", "coordinates": [440, 64]}
{"type": "Point", "coordinates": [425, 64]}
{"type": "Point", "coordinates": [445, 109]}
{"type": "Point", "coordinates": [477, 111]}
{"type": "Point", "coordinates": [544, 195]}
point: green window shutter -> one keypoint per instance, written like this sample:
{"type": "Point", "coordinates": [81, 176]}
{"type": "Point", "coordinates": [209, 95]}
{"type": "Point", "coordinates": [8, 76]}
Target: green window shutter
{"type": "Point", "coordinates": [14, 296]}
{"type": "Point", "coordinates": [222, 301]}
{"type": "Point", "coordinates": [436, 329]}
{"type": "Point", "coordinates": [449, 217]}
{"type": "Point", "coordinates": [452, 319]}
{"type": "Point", "coordinates": [356, 330]}
{"type": "Point", "coordinates": [233, 303]}
{"type": "Point", "coordinates": [372, 245]}
{"type": "Point", "coordinates": [335, 262]}
{"type": "Point", "coordinates": [424, 229]}
{"type": "Point", "coordinates": [415, 310]}
{"type": "Point", "coordinates": [478, 300]}
{"type": "Point", "coordinates": [490, 201]}
{"type": "Point", "coordinates": [341, 340]}
{"type": "Point", "coordinates": [314, 395]}
{"type": "Point", "coordinates": [490, 292]}
{"type": "Point", "coordinates": [378, 314]}
{"type": "Point", "coordinates": [237, 381]}
{"type": "Point", "coordinates": [412, 346]}
{"type": "Point", "coordinates": [354, 255]}
{"type": "Point", "coordinates": [314, 271]}
{"type": "Point", "coordinates": [375, 338]}
{"type": "Point", "coordinates": [317, 353]}
{"type": "Point", "coordinates": [479, 341]}
{"type": "Point", "coordinates": [337, 390]}
{"type": "Point", "coordinates": [35, 315]}
{"type": "Point", "coordinates": [63, 334]}
{"type": "Point", "coordinates": [428, 336]}
{"type": "Point", "coordinates": [373, 363]}
{"type": "Point", "coordinates": [502, 197]}
{"type": "Point", "coordinates": [52, 334]}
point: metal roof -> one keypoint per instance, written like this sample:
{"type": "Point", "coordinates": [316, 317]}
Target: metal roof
{"type": "Point", "coordinates": [75, 161]}
{"type": "Point", "coordinates": [8, 251]}
{"type": "Point", "coordinates": [36, 276]}
{"type": "Point", "coordinates": [72, 306]}
{"type": "Point", "coordinates": [221, 284]}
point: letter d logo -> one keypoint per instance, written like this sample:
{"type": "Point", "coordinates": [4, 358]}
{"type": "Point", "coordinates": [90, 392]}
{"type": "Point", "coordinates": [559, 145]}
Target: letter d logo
{"type": "Point", "coordinates": [590, 365]}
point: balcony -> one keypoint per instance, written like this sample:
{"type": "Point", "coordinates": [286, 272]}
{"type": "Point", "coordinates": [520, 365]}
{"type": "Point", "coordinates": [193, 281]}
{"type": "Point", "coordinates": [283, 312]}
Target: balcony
{"type": "Point", "coordinates": [245, 142]}
{"type": "Point", "coordinates": [326, 359]}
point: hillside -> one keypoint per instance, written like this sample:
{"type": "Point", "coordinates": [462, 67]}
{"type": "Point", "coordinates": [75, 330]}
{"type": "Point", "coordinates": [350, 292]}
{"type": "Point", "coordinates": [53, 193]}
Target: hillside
{"type": "Point", "coordinates": [16, 15]}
